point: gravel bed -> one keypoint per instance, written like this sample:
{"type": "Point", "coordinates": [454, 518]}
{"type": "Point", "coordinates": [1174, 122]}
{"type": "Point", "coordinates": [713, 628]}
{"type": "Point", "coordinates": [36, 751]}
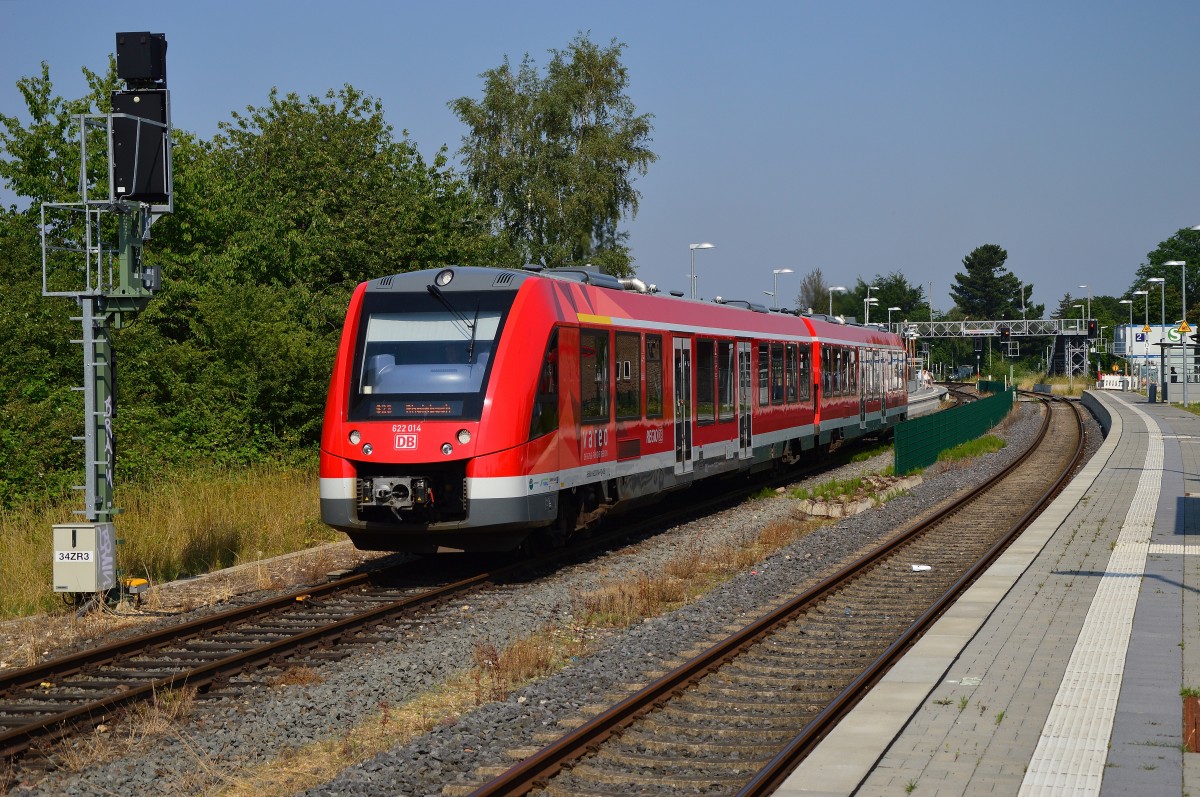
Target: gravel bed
{"type": "Point", "coordinates": [224, 733]}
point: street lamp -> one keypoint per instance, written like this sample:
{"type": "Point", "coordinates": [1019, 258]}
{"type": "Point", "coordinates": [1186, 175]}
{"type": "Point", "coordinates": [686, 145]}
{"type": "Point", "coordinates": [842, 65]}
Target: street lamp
{"type": "Point", "coordinates": [890, 309]}
{"type": "Point", "coordinates": [1162, 331]}
{"type": "Point", "coordinates": [1183, 313]}
{"type": "Point", "coordinates": [775, 273]}
{"type": "Point", "coordinates": [693, 248]}
{"type": "Point", "coordinates": [867, 304]}
{"type": "Point", "coordinates": [1089, 301]}
{"type": "Point", "coordinates": [839, 289]}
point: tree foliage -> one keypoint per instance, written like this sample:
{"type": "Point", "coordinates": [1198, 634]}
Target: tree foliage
{"type": "Point", "coordinates": [557, 154]}
{"type": "Point", "coordinates": [814, 292]}
{"type": "Point", "coordinates": [276, 218]}
{"type": "Point", "coordinates": [1066, 307]}
{"type": "Point", "coordinates": [39, 158]}
{"type": "Point", "coordinates": [891, 290]}
{"type": "Point", "coordinates": [986, 290]}
{"type": "Point", "coordinates": [1183, 245]}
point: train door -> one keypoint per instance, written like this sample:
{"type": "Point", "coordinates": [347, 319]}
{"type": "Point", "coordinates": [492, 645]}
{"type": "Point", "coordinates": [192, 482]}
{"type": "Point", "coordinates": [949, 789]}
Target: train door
{"type": "Point", "coordinates": [864, 376]}
{"type": "Point", "coordinates": [683, 405]}
{"type": "Point", "coordinates": [885, 382]}
{"type": "Point", "coordinates": [745, 399]}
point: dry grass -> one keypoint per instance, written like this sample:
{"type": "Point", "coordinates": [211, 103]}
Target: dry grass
{"type": "Point", "coordinates": [192, 523]}
{"type": "Point", "coordinates": [691, 573]}
{"type": "Point", "coordinates": [495, 674]}
{"type": "Point", "coordinates": [143, 722]}
{"type": "Point", "coordinates": [297, 675]}
{"type": "Point", "coordinates": [1059, 385]}
{"type": "Point", "coordinates": [27, 642]}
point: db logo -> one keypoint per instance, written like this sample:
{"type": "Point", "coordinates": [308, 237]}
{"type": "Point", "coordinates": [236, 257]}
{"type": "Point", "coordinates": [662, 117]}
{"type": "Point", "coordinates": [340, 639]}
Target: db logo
{"type": "Point", "coordinates": [406, 441]}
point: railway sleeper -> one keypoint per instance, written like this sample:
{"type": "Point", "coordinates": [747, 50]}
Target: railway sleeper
{"type": "Point", "coordinates": [772, 708]}
{"type": "Point", "coordinates": [610, 773]}
{"type": "Point", "coordinates": [719, 743]}
{"type": "Point", "coordinates": [726, 722]}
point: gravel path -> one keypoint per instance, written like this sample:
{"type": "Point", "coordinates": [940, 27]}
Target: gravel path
{"type": "Point", "coordinates": [224, 733]}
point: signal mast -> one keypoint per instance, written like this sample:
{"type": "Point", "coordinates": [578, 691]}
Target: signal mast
{"type": "Point", "coordinates": [110, 282]}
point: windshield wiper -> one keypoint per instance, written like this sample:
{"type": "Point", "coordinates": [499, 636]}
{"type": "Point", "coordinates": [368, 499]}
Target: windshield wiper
{"type": "Point", "coordinates": [471, 345]}
{"type": "Point", "coordinates": [471, 325]}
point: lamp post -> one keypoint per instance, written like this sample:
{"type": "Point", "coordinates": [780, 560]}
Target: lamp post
{"type": "Point", "coordinates": [839, 289]}
{"type": "Point", "coordinates": [693, 248]}
{"type": "Point", "coordinates": [867, 304]}
{"type": "Point", "coordinates": [775, 292]}
{"type": "Point", "coordinates": [1183, 314]}
{"type": "Point", "coordinates": [890, 309]}
{"type": "Point", "coordinates": [1089, 302]}
{"type": "Point", "coordinates": [1162, 331]}
{"type": "Point", "coordinates": [1023, 305]}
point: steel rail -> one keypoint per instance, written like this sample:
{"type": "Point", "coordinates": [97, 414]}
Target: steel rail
{"type": "Point", "coordinates": [55, 726]}
{"type": "Point", "coordinates": [535, 771]}
{"type": "Point", "coordinates": [772, 776]}
{"type": "Point", "coordinates": [14, 741]}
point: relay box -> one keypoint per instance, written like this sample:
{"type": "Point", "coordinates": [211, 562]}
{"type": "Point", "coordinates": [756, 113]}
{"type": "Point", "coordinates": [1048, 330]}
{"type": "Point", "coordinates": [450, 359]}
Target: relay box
{"type": "Point", "coordinates": [85, 557]}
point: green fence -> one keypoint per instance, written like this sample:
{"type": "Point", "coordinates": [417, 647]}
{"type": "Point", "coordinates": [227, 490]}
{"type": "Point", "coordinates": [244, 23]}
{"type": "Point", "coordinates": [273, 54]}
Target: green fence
{"type": "Point", "coordinates": [988, 386]}
{"type": "Point", "coordinates": [920, 440]}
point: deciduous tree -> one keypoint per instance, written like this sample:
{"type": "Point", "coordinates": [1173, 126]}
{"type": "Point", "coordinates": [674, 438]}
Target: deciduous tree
{"type": "Point", "coordinates": [557, 154]}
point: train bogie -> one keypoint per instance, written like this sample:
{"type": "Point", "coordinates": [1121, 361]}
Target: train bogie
{"type": "Point", "coordinates": [470, 407]}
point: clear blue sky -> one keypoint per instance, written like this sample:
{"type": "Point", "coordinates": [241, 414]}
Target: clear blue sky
{"type": "Point", "coordinates": [860, 138]}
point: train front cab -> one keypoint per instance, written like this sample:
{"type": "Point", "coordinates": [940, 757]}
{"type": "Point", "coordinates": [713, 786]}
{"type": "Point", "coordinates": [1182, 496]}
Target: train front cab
{"type": "Point", "coordinates": [428, 433]}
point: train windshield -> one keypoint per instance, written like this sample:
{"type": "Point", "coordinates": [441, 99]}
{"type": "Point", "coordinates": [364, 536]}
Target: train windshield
{"type": "Point", "coordinates": [424, 358]}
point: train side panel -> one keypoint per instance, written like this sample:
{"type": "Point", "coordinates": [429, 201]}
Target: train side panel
{"type": "Point", "coordinates": [590, 399]}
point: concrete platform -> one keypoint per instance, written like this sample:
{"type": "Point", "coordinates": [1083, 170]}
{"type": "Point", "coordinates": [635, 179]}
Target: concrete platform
{"type": "Point", "coordinates": [1060, 670]}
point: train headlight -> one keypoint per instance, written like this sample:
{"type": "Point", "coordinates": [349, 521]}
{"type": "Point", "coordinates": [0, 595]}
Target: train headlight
{"type": "Point", "coordinates": [447, 449]}
{"type": "Point", "coordinates": [367, 449]}
{"type": "Point", "coordinates": [444, 277]}
{"type": "Point", "coordinates": [464, 436]}
{"type": "Point", "coordinates": [355, 437]}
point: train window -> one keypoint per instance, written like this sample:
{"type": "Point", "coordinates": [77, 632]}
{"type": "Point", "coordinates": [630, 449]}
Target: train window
{"type": "Point", "coordinates": [629, 375]}
{"type": "Point", "coordinates": [725, 380]}
{"type": "Point", "coordinates": [545, 397]}
{"type": "Point", "coordinates": [851, 364]}
{"type": "Point", "coordinates": [826, 371]}
{"type": "Point", "coordinates": [776, 373]}
{"type": "Point", "coordinates": [654, 381]}
{"type": "Point", "coordinates": [805, 375]}
{"type": "Point", "coordinates": [593, 375]}
{"type": "Point", "coordinates": [705, 401]}
{"type": "Point", "coordinates": [764, 375]}
{"type": "Point", "coordinates": [791, 352]}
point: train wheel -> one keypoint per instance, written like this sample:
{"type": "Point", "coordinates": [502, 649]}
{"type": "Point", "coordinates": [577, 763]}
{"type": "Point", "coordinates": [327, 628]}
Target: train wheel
{"type": "Point", "coordinates": [568, 518]}
{"type": "Point", "coordinates": [560, 533]}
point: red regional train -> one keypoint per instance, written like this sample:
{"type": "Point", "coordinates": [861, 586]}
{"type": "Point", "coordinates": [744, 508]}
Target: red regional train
{"type": "Point", "coordinates": [471, 407]}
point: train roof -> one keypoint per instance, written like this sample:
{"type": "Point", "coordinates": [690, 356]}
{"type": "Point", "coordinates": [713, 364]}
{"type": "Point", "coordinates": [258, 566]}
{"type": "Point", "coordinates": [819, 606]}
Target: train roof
{"type": "Point", "coordinates": [598, 297]}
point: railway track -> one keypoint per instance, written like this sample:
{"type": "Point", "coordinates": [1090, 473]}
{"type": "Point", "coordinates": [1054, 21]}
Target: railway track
{"type": "Point", "coordinates": [738, 717]}
{"type": "Point", "coordinates": [54, 699]}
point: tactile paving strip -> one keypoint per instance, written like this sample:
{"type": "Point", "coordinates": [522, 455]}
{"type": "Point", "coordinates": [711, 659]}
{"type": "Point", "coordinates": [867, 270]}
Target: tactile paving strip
{"type": "Point", "coordinates": [1071, 753]}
